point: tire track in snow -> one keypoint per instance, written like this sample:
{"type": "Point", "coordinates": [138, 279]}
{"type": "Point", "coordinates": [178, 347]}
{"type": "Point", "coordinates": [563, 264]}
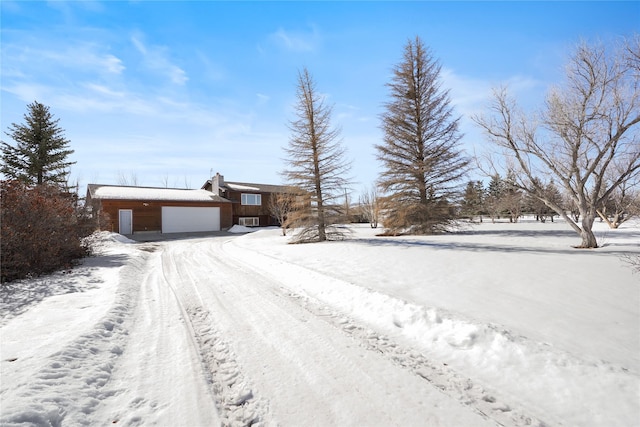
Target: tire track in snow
{"type": "Point", "coordinates": [162, 355]}
{"type": "Point", "coordinates": [295, 367]}
{"type": "Point", "coordinates": [237, 405]}
{"type": "Point", "coordinates": [439, 375]}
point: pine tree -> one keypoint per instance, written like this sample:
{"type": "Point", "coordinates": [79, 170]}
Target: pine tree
{"type": "Point", "coordinates": [420, 158]}
{"type": "Point", "coordinates": [40, 155]}
{"type": "Point", "coordinates": [316, 165]}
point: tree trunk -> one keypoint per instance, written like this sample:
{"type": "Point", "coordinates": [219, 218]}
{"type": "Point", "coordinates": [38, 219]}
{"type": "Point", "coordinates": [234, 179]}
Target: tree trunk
{"type": "Point", "coordinates": [588, 238]}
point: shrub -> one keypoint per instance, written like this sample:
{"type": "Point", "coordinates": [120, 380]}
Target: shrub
{"type": "Point", "coordinates": [40, 230]}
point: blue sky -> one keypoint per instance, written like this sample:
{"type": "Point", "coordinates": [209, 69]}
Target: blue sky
{"type": "Point", "coordinates": [169, 92]}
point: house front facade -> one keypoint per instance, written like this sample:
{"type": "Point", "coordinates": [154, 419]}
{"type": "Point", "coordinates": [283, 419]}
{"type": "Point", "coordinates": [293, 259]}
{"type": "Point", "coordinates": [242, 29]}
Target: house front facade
{"type": "Point", "coordinates": [129, 210]}
{"type": "Point", "coordinates": [249, 201]}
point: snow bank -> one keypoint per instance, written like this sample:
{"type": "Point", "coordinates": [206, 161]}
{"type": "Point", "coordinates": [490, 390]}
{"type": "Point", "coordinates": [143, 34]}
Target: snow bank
{"type": "Point", "coordinates": [241, 229]}
{"type": "Point", "coordinates": [511, 306]}
{"type": "Point", "coordinates": [59, 351]}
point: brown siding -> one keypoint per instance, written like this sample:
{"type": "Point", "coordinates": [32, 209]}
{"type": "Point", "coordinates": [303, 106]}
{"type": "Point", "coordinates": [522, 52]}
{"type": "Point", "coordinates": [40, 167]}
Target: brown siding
{"type": "Point", "coordinates": [147, 215]}
{"type": "Point", "coordinates": [240, 210]}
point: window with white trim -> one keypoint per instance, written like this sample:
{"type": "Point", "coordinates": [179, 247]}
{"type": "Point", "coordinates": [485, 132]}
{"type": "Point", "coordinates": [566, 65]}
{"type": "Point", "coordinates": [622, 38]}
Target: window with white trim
{"type": "Point", "coordinates": [251, 199]}
{"type": "Point", "coordinates": [249, 221]}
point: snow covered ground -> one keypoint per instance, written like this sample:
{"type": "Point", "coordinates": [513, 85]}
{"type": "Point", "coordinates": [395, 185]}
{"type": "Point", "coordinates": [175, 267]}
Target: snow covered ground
{"type": "Point", "coordinates": [497, 324]}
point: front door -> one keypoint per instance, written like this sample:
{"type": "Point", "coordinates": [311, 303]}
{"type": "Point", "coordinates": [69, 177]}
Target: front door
{"type": "Point", "coordinates": [125, 217]}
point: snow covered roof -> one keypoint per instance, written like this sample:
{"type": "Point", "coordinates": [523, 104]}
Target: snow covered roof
{"type": "Point", "coordinates": [251, 187]}
{"type": "Point", "coordinates": [116, 192]}
{"type": "Point", "coordinates": [239, 187]}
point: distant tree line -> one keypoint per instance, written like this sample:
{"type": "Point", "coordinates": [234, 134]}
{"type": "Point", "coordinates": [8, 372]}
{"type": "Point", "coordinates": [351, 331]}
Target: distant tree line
{"type": "Point", "coordinates": [502, 199]}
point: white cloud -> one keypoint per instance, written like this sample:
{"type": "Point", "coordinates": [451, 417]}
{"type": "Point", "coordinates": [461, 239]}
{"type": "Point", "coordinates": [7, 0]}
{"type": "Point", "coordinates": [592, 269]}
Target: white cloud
{"type": "Point", "coordinates": [80, 57]}
{"type": "Point", "coordinates": [296, 41]}
{"type": "Point", "coordinates": [104, 90]}
{"type": "Point", "coordinates": [27, 92]}
{"type": "Point", "coordinates": [471, 96]}
{"type": "Point", "coordinates": [468, 95]}
{"type": "Point", "coordinates": [138, 45]}
{"type": "Point", "coordinates": [262, 98]}
{"type": "Point", "coordinates": [156, 59]}
{"type": "Point", "coordinates": [209, 68]}
{"type": "Point", "coordinates": [113, 64]}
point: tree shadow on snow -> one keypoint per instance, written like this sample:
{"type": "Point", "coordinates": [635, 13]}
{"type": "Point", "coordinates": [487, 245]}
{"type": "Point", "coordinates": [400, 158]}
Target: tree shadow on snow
{"type": "Point", "coordinates": [19, 296]}
{"type": "Point", "coordinates": [403, 242]}
{"type": "Point", "coordinates": [625, 233]}
{"type": "Point", "coordinates": [519, 233]}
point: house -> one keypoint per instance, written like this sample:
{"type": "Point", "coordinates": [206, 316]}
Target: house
{"type": "Point", "coordinates": [249, 201]}
{"type": "Point", "coordinates": [131, 210]}
{"type": "Point", "coordinates": [218, 205]}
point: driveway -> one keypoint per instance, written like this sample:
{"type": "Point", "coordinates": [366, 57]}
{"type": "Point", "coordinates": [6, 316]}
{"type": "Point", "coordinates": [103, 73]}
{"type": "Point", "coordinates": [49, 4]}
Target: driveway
{"type": "Point", "coordinates": [162, 237]}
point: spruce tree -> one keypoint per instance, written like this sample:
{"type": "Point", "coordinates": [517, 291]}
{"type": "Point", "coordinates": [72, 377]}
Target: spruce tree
{"type": "Point", "coordinates": [41, 151]}
{"type": "Point", "coordinates": [473, 200]}
{"type": "Point", "coordinates": [420, 158]}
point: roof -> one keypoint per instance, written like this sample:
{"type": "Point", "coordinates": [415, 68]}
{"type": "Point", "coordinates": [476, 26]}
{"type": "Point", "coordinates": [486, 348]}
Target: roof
{"type": "Point", "coordinates": [252, 187]}
{"type": "Point", "coordinates": [118, 192]}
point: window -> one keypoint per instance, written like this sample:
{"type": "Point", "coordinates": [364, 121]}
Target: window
{"type": "Point", "coordinates": [252, 221]}
{"type": "Point", "coordinates": [252, 199]}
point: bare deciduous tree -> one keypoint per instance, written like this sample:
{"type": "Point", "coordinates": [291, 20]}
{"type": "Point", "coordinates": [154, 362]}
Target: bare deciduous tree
{"type": "Point", "coordinates": [370, 205]}
{"type": "Point", "coordinates": [623, 204]}
{"type": "Point", "coordinates": [317, 164]}
{"type": "Point", "coordinates": [420, 159]}
{"type": "Point", "coordinates": [165, 180]}
{"type": "Point", "coordinates": [281, 205]}
{"type": "Point", "coordinates": [588, 130]}
{"type": "Point", "coordinates": [130, 180]}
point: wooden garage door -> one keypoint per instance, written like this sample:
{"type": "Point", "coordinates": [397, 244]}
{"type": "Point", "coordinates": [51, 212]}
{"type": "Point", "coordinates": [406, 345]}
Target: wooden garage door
{"type": "Point", "coordinates": [178, 219]}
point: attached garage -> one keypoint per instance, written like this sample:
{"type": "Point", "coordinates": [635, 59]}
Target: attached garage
{"type": "Point", "coordinates": [134, 210]}
{"type": "Point", "coordinates": [181, 219]}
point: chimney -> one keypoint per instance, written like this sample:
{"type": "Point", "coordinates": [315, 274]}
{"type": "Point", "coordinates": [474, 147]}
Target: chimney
{"type": "Point", "coordinates": [217, 182]}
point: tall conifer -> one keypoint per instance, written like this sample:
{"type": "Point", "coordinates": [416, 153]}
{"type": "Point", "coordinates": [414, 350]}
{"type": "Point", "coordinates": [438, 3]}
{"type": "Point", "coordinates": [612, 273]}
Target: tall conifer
{"type": "Point", "coordinates": [41, 152]}
{"type": "Point", "coordinates": [421, 161]}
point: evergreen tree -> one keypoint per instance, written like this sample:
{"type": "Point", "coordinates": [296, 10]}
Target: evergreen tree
{"type": "Point", "coordinates": [420, 159]}
{"type": "Point", "coordinates": [317, 165]}
{"type": "Point", "coordinates": [473, 200]}
{"type": "Point", "coordinates": [512, 198]}
{"type": "Point", "coordinates": [553, 194]}
{"type": "Point", "coordinates": [495, 192]}
{"type": "Point", "coordinates": [535, 204]}
{"type": "Point", "coordinates": [40, 155]}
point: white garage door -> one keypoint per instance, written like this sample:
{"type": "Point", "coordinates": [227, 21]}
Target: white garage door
{"type": "Point", "coordinates": [186, 219]}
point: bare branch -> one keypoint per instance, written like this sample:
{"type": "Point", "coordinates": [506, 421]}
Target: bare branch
{"type": "Point", "coordinates": [587, 137]}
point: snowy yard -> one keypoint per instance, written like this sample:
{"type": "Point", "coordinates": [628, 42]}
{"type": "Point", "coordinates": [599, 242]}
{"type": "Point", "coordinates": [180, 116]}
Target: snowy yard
{"type": "Point", "coordinates": [497, 324]}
